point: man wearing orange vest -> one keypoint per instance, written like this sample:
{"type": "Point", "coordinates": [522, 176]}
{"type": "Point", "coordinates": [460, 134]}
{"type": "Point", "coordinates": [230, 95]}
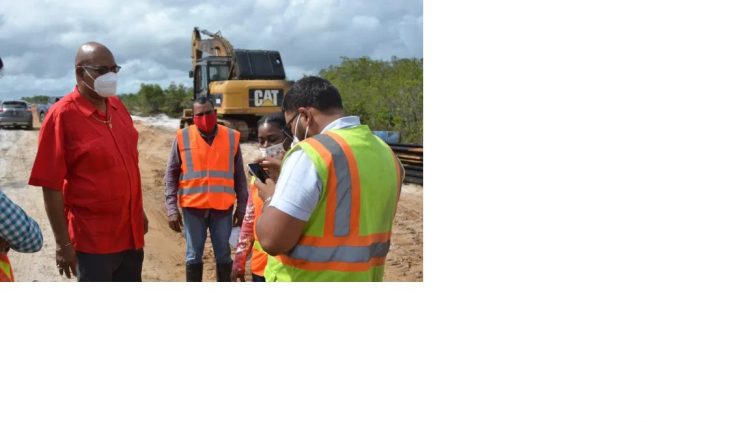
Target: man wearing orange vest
{"type": "Point", "coordinates": [18, 231]}
{"type": "Point", "coordinates": [329, 218]}
{"type": "Point", "coordinates": [205, 175]}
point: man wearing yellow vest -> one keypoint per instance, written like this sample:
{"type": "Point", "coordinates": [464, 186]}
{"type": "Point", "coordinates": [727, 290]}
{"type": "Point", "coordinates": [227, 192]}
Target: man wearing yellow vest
{"type": "Point", "coordinates": [329, 218]}
{"type": "Point", "coordinates": [205, 175]}
{"type": "Point", "coordinates": [18, 231]}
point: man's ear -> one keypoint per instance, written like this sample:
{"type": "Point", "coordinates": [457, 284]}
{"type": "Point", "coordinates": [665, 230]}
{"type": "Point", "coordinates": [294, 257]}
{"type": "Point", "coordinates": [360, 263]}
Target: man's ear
{"type": "Point", "coordinates": [307, 118]}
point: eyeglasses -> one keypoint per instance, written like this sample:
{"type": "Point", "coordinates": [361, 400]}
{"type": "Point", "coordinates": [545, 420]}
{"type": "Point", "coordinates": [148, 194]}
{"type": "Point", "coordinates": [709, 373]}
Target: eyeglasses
{"type": "Point", "coordinates": [103, 69]}
{"type": "Point", "coordinates": [289, 123]}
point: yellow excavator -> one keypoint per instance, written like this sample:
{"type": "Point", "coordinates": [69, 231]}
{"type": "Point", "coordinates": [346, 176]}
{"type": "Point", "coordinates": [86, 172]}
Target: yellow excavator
{"type": "Point", "coordinates": [245, 84]}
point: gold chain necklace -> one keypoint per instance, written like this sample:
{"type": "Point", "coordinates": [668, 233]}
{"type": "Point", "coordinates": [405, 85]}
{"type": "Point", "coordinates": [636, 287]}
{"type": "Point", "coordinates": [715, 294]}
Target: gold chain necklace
{"type": "Point", "coordinates": [107, 122]}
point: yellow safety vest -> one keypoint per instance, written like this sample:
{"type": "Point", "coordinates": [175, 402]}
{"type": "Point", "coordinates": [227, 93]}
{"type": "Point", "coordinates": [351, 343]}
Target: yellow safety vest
{"type": "Point", "coordinates": [348, 235]}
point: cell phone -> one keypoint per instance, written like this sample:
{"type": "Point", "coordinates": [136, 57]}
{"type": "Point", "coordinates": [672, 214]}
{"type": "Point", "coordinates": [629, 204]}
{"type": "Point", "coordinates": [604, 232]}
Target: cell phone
{"type": "Point", "coordinates": [257, 171]}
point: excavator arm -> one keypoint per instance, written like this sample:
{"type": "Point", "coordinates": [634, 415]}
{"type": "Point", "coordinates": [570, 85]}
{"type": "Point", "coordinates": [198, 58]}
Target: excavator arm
{"type": "Point", "coordinates": [215, 45]}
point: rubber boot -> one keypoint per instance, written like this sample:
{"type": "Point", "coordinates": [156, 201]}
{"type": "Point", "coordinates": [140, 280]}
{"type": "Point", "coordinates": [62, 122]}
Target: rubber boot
{"type": "Point", "coordinates": [223, 272]}
{"type": "Point", "coordinates": [194, 272]}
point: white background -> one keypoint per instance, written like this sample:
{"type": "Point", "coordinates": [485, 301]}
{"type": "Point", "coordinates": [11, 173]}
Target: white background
{"type": "Point", "coordinates": [586, 253]}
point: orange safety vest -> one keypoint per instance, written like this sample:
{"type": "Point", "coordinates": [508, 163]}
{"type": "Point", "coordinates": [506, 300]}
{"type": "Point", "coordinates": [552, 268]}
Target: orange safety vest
{"type": "Point", "coordinates": [6, 271]}
{"type": "Point", "coordinates": [260, 258]}
{"type": "Point", "coordinates": [207, 176]}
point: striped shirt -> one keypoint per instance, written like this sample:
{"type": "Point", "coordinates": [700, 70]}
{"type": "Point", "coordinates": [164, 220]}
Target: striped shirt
{"type": "Point", "coordinates": [19, 230]}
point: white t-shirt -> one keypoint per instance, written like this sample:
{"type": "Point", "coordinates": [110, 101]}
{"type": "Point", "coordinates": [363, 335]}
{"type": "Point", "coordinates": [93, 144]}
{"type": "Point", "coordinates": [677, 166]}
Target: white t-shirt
{"type": "Point", "coordinates": [298, 190]}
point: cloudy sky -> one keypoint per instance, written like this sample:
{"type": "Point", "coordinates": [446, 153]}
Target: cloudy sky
{"type": "Point", "coordinates": [151, 38]}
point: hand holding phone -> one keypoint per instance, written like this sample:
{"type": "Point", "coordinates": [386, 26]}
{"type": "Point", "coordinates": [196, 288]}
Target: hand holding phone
{"type": "Point", "coordinates": [257, 171]}
{"type": "Point", "coordinates": [272, 166]}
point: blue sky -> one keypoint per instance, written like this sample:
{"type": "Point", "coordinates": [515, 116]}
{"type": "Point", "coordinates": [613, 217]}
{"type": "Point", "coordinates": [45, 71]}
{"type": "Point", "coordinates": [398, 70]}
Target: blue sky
{"type": "Point", "coordinates": [151, 38]}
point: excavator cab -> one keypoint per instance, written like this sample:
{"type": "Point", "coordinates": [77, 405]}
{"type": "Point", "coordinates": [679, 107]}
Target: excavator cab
{"type": "Point", "coordinates": [209, 70]}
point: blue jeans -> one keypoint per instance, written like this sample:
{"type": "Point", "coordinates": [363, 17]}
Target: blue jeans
{"type": "Point", "coordinates": [219, 223]}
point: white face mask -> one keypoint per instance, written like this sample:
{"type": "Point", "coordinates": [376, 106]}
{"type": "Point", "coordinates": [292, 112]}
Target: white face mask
{"type": "Point", "coordinates": [296, 140]}
{"type": "Point", "coordinates": [105, 85]}
{"type": "Point", "coordinates": [274, 151]}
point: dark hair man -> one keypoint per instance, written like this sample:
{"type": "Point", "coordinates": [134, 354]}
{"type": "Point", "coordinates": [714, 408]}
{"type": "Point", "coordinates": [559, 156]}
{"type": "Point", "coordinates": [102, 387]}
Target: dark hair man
{"type": "Point", "coordinates": [329, 218]}
{"type": "Point", "coordinates": [205, 175]}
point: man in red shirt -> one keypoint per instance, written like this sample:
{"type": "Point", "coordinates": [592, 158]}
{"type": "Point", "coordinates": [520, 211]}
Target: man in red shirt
{"type": "Point", "coordinates": [87, 166]}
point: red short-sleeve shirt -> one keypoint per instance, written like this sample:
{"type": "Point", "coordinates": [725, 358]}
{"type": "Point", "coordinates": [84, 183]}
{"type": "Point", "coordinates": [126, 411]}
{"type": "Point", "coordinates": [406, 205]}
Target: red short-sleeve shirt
{"type": "Point", "coordinates": [96, 167]}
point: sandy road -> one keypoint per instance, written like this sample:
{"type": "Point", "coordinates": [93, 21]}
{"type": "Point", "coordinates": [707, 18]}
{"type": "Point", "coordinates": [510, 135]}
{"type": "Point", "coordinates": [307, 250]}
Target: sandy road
{"type": "Point", "coordinates": [164, 251]}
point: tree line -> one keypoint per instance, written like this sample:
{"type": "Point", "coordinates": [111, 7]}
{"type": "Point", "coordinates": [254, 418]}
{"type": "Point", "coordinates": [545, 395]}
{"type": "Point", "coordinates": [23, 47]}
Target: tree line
{"type": "Point", "coordinates": [387, 95]}
{"type": "Point", "coordinates": [37, 99]}
{"type": "Point", "coordinates": [152, 99]}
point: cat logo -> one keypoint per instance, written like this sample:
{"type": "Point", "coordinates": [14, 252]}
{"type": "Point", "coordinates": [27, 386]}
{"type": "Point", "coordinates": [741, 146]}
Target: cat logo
{"type": "Point", "coordinates": [265, 97]}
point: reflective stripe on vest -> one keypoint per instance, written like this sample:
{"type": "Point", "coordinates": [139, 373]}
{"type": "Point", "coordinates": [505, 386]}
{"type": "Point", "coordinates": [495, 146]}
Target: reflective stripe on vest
{"type": "Point", "coordinates": [205, 189]}
{"type": "Point", "coordinates": [6, 271]}
{"type": "Point", "coordinates": [343, 185]}
{"type": "Point", "coordinates": [348, 254]}
{"type": "Point", "coordinates": [341, 248]}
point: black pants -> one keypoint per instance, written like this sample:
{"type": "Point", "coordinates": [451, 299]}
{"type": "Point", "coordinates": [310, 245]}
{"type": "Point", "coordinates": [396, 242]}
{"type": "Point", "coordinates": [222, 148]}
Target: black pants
{"type": "Point", "coordinates": [260, 278]}
{"type": "Point", "coordinates": [120, 266]}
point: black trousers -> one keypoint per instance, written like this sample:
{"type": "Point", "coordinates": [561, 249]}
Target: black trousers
{"type": "Point", "coordinates": [120, 266]}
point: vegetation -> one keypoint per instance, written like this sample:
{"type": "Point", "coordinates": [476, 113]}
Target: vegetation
{"type": "Point", "coordinates": [152, 99]}
{"type": "Point", "coordinates": [387, 95]}
{"type": "Point", "coordinates": [37, 99]}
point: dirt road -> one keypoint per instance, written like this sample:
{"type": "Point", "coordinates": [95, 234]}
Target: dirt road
{"type": "Point", "coordinates": [164, 251]}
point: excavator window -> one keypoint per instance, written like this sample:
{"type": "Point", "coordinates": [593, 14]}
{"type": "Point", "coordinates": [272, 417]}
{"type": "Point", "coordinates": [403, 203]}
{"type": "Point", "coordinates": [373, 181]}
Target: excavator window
{"type": "Point", "coordinates": [218, 73]}
{"type": "Point", "coordinates": [199, 87]}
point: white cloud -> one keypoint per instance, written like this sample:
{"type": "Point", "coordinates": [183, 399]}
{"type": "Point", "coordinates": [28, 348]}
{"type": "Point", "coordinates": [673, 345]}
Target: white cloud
{"type": "Point", "coordinates": [19, 64]}
{"type": "Point", "coordinates": [366, 23]}
{"type": "Point", "coordinates": [136, 71]}
{"type": "Point", "coordinates": [151, 38]}
{"type": "Point", "coordinates": [36, 86]}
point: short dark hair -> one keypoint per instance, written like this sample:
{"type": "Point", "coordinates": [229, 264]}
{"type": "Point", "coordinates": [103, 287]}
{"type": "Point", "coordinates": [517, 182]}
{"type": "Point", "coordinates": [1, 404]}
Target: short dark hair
{"type": "Point", "coordinates": [312, 91]}
{"type": "Point", "coordinates": [276, 119]}
{"type": "Point", "coordinates": [203, 99]}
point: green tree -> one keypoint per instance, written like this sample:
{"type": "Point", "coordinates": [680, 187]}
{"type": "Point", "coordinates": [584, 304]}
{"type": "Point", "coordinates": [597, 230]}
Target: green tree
{"type": "Point", "coordinates": [177, 98]}
{"type": "Point", "coordinates": [387, 95]}
{"type": "Point", "coordinates": [37, 99]}
{"type": "Point", "coordinates": [153, 99]}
